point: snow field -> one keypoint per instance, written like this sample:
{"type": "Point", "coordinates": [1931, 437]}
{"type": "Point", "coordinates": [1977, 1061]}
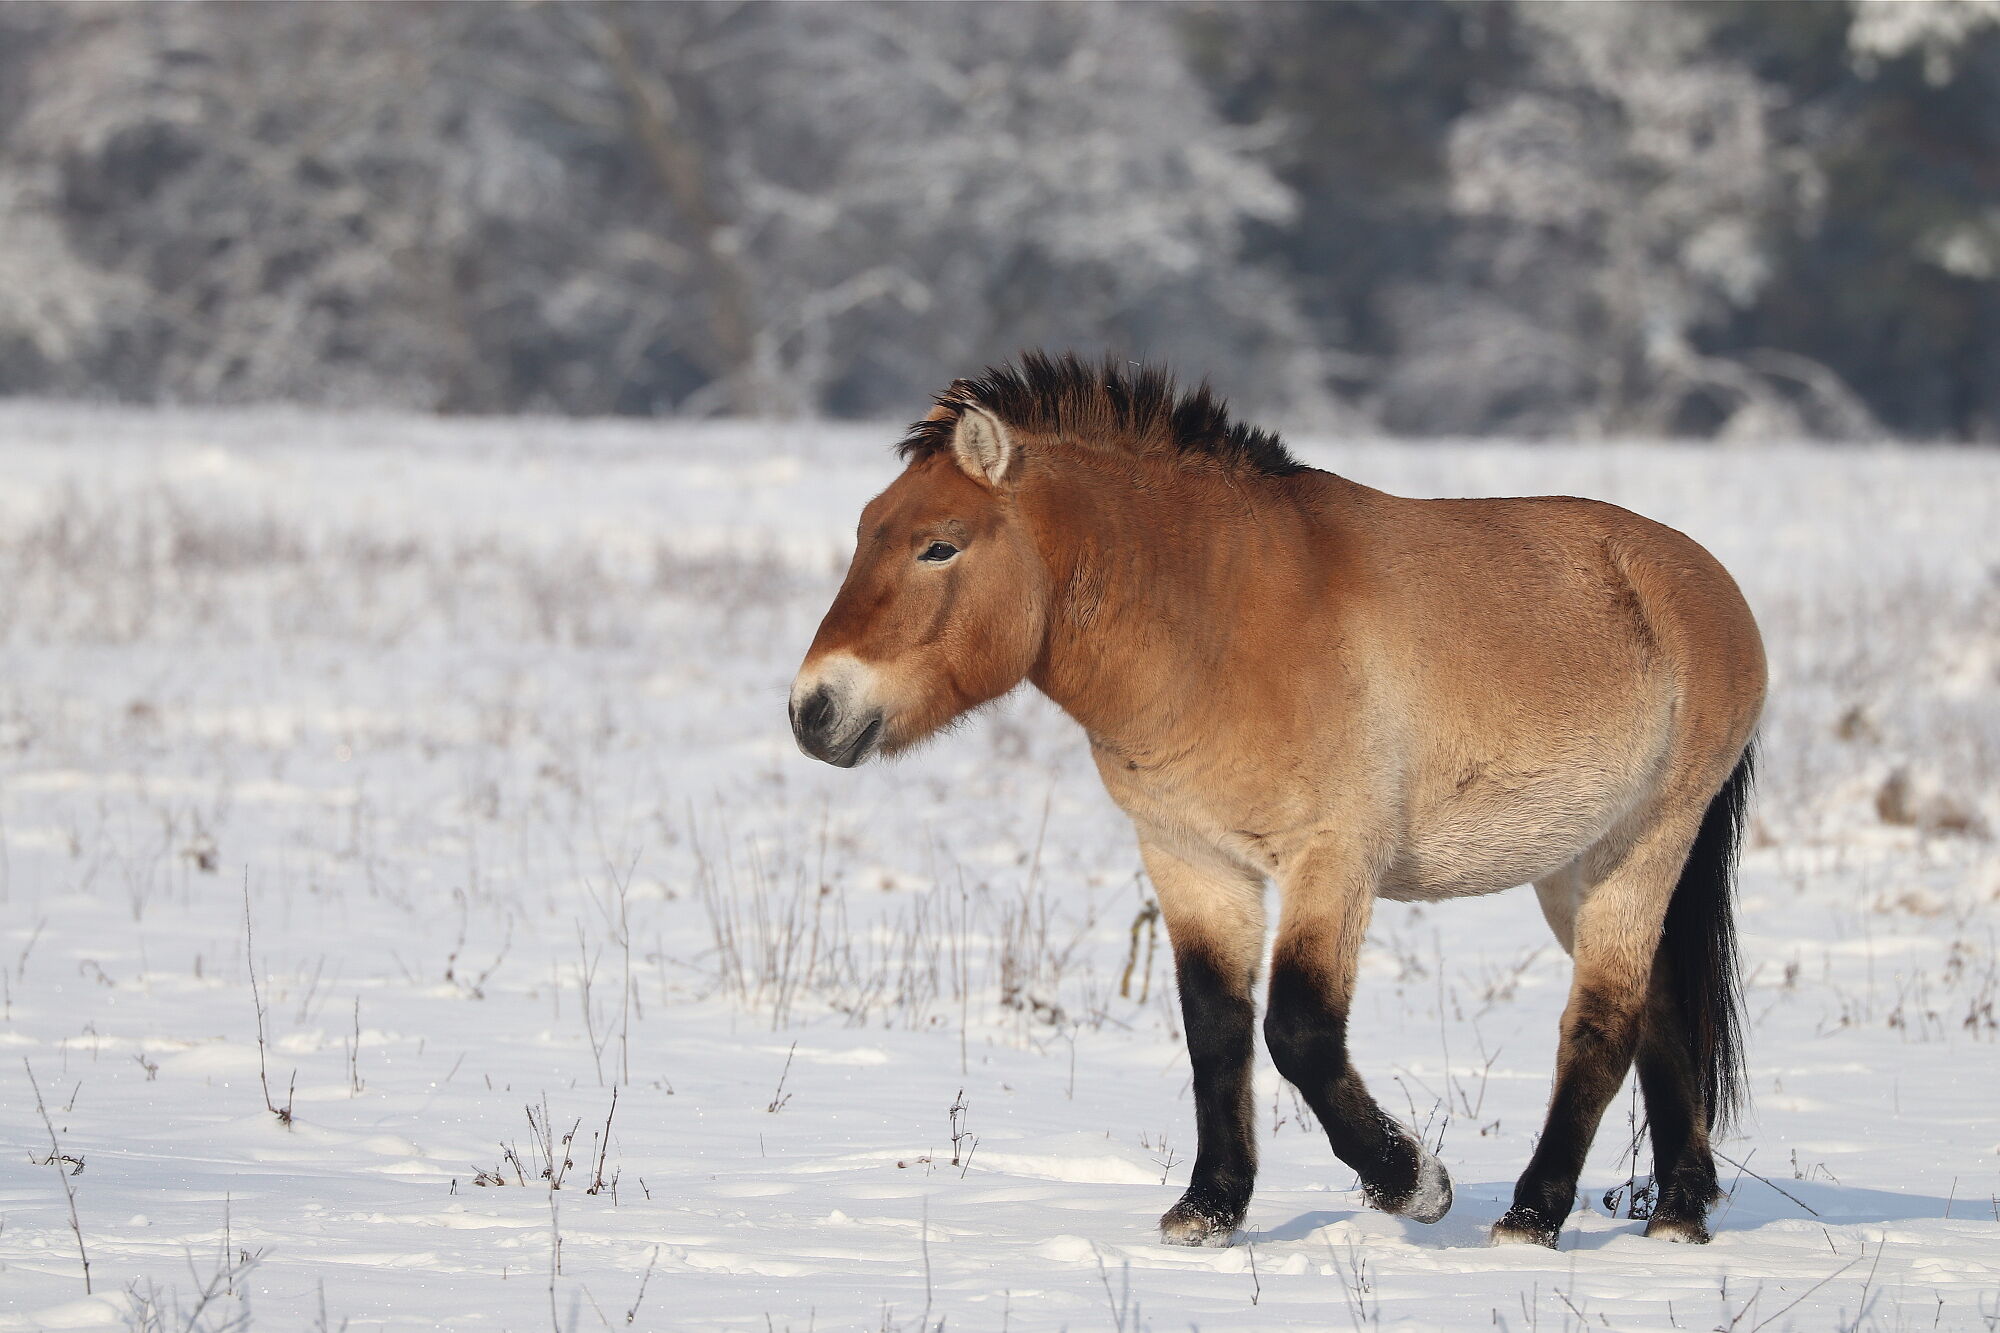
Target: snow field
{"type": "Point", "coordinates": [483, 723]}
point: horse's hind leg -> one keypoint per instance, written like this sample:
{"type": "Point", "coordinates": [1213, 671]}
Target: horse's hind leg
{"type": "Point", "coordinates": [1215, 918]}
{"type": "Point", "coordinates": [1683, 1164]}
{"type": "Point", "coordinates": [1676, 1107]}
{"type": "Point", "coordinates": [1614, 934]}
{"type": "Point", "coordinates": [1326, 910]}
{"type": "Point", "coordinates": [1690, 1051]}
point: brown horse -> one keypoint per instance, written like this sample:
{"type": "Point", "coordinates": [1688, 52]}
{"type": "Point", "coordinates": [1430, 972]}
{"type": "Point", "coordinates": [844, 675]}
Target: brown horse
{"type": "Point", "coordinates": [1288, 676]}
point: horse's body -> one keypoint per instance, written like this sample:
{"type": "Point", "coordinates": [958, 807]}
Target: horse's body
{"type": "Point", "coordinates": [1286, 675]}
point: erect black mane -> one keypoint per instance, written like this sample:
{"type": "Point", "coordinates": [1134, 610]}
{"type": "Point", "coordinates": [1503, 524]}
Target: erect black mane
{"type": "Point", "coordinates": [1107, 404]}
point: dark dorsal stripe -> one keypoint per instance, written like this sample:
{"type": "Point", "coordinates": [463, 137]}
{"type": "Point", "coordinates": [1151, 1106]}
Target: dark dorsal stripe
{"type": "Point", "coordinates": [1108, 404]}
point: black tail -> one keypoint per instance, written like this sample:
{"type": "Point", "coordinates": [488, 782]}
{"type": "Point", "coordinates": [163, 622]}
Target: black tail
{"type": "Point", "coordinates": [1698, 947]}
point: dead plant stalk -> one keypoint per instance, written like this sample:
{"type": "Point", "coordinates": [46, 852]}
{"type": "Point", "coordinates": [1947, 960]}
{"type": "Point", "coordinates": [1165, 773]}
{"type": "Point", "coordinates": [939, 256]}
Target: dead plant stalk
{"type": "Point", "coordinates": [60, 1163]}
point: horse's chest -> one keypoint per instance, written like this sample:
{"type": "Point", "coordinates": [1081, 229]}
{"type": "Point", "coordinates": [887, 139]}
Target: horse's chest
{"type": "Point", "coordinates": [1203, 810]}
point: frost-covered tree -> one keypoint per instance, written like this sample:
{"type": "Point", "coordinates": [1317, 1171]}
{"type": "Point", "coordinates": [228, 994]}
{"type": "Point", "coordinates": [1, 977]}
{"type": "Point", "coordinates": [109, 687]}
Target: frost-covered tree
{"type": "Point", "coordinates": [1939, 31]}
{"type": "Point", "coordinates": [1353, 103]}
{"type": "Point", "coordinates": [706, 207]}
{"type": "Point", "coordinates": [914, 190]}
{"type": "Point", "coordinates": [269, 207]}
{"type": "Point", "coordinates": [1621, 198]}
{"type": "Point", "coordinates": [1892, 277]}
{"type": "Point", "coordinates": [1684, 217]}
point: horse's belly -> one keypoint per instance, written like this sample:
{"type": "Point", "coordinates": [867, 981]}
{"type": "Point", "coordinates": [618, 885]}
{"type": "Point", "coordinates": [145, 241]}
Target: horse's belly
{"type": "Point", "coordinates": [1514, 833]}
{"type": "Point", "coordinates": [1456, 873]}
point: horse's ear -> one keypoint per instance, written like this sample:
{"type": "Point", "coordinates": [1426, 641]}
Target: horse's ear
{"type": "Point", "coordinates": [982, 445]}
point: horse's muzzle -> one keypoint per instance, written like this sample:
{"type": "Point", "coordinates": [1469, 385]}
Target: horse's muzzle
{"type": "Point", "coordinates": [826, 733]}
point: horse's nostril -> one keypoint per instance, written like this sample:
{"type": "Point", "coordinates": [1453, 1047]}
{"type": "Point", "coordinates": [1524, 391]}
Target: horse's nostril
{"type": "Point", "coordinates": [818, 710]}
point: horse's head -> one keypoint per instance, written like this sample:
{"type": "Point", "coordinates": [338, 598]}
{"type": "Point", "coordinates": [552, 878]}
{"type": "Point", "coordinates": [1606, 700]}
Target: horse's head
{"type": "Point", "coordinates": [943, 608]}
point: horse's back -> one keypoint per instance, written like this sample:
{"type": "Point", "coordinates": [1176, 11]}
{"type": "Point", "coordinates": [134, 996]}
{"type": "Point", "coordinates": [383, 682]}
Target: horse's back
{"type": "Point", "coordinates": [1477, 595]}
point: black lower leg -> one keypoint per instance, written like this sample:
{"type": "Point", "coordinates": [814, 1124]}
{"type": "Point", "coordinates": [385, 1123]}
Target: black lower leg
{"type": "Point", "coordinates": [1307, 1037]}
{"type": "Point", "coordinates": [1221, 1024]}
{"type": "Point", "coordinates": [1597, 1045]}
{"type": "Point", "coordinates": [1683, 1166]}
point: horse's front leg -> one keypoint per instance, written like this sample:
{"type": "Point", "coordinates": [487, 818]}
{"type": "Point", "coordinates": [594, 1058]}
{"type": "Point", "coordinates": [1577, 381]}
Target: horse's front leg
{"type": "Point", "coordinates": [1215, 918]}
{"type": "Point", "coordinates": [1328, 897]}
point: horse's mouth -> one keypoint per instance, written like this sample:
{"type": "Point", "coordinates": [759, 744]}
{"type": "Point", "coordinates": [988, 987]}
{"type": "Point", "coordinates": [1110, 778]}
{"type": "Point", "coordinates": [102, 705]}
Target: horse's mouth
{"type": "Point", "coordinates": [860, 748]}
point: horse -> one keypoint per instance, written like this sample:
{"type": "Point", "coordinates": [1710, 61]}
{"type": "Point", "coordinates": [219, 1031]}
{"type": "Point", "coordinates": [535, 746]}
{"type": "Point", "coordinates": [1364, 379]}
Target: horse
{"type": "Point", "coordinates": [1288, 676]}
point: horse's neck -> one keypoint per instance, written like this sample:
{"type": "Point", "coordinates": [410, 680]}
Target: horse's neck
{"type": "Point", "coordinates": [1139, 615]}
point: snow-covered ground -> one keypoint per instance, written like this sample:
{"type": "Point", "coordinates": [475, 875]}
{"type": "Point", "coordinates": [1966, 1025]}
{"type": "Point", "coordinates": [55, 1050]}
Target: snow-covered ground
{"type": "Point", "coordinates": [473, 735]}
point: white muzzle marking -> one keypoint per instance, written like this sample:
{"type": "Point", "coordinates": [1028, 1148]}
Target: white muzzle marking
{"type": "Point", "coordinates": [837, 710]}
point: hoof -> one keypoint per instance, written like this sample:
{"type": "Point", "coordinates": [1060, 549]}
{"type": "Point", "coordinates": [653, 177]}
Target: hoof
{"type": "Point", "coordinates": [1428, 1200]}
{"type": "Point", "coordinates": [1680, 1230]}
{"type": "Point", "coordinates": [1522, 1226]}
{"type": "Point", "coordinates": [1191, 1222]}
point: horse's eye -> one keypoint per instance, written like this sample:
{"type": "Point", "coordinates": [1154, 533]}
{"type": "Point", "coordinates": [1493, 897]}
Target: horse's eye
{"type": "Point", "coordinates": [939, 552]}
